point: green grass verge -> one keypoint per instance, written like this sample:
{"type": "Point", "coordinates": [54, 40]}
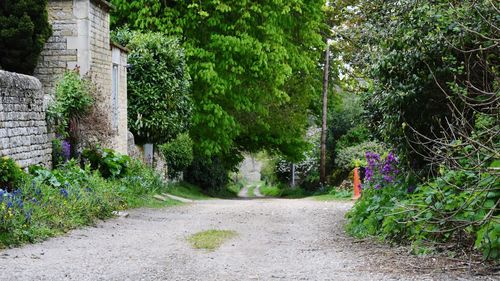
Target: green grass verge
{"type": "Point", "coordinates": [272, 191]}
{"type": "Point", "coordinates": [186, 190]}
{"type": "Point", "coordinates": [334, 195]}
{"type": "Point", "coordinates": [250, 190]}
{"type": "Point", "coordinates": [210, 239]}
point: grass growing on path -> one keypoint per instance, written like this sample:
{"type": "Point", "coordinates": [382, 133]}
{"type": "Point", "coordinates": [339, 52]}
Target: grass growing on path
{"type": "Point", "coordinates": [250, 192]}
{"type": "Point", "coordinates": [210, 239]}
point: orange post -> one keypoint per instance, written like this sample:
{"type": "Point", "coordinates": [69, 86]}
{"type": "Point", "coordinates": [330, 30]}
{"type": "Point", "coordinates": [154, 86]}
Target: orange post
{"type": "Point", "coordinates": [357, 185]}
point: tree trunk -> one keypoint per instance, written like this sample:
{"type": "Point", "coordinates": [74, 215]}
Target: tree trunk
{"type": "Point", "coordinates": [322, 169]}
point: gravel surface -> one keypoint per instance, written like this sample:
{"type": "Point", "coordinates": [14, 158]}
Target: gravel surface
{"type": "Point", "coordinates": [278, 240]}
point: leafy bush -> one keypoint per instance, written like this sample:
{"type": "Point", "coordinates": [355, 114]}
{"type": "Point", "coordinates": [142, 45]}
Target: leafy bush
{"type": "Point", "coordinates": [10, 174]}
{"type": "Point", "coordinates": [45, 203]}
{"type": "Point", "coordinates": [178, 154]}
{"type": "Point", "coordinates": [61, 152]}
{"type": "Point", "coordinates": [25, 29]}
{"type": "Point", "coordinates": [458, 208]}
{"type": "Point", "coordinates": [354, 156]}
{"type": "Point", "coordinates": [50, 202]}
{"type": "Point", "coordinates": [268, 172]}
{"type": "Point", "coordinates": [352, 137]}
{"type": "Point", "coordinates": [270, 190]}
{"type": "Point", "coordinates": [73, 100]}
{"type": "Point", "coordinates": [108, 162]}
{"type": "Point", "coordinates": [160, 104]}
{"type": "Point", "coordinates": [209, 174]}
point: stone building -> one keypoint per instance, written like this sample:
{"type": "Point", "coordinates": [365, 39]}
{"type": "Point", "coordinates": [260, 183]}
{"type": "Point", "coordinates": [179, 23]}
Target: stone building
{"type": "Point", "coordinates": [81, 40]}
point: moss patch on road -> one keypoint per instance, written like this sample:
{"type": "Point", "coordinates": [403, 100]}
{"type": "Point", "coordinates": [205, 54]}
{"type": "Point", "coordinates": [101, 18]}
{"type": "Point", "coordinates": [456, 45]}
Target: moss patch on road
{"type": "Point", "coordinates": [210, 239]}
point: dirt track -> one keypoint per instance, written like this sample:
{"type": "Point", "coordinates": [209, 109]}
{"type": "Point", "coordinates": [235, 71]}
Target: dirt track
{"type": "Point", "coordinates": [278, 240]}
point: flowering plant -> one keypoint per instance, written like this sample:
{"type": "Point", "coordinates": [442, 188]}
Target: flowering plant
{"type": "Point", "coordinates": [380, 172]}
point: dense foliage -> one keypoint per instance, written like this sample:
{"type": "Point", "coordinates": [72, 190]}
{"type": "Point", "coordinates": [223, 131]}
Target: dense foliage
{"type": "Point", "coordinates": [24, 30]}
{"type": "Point", "coordinates": [46, 203]}
{"type": "Point", "coordinates": [421, 57]}
{"type": "Point", "coordinates": [178, 153]}
{"type": "Point", "coordinates": [159, 102]}
{"type": "Point", "coordinates": [10, 174]}
{"type": "Point", "coordinates": [254, 67]}
{"type": "Point", "coordinates": [72, 101]}
{"type": "Point", "coordinates": [108, 162]}
{"type": "Point", "coordinates": [433, 71]}
{"type": "Point", "coordinates": [209, 174]}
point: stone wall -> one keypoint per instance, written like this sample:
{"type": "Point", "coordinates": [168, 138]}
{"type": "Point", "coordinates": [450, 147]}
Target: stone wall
{"type": "Point", "coordinates": [23, 129]}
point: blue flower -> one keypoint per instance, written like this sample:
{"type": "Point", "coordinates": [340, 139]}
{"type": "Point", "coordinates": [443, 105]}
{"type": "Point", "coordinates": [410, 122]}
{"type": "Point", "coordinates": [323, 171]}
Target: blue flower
{"type": "Point", "coordinates": [64, 192]}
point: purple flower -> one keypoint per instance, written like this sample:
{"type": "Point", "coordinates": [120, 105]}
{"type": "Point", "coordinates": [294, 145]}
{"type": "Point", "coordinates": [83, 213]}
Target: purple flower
{"type": "Point", "coordinates": [66, 150]}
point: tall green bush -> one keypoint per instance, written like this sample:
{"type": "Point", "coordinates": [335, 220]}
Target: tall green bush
{"type": "Point", "coordinates": [209, 174]}
{"type": "Point", "coordinates": [24, 29]}
{"type": "Point", "coordinates": [178, 154]}
{"type": "Point", "coordinates": [159, 101]}
{"type": "Point", "coordinates": [73, 100]}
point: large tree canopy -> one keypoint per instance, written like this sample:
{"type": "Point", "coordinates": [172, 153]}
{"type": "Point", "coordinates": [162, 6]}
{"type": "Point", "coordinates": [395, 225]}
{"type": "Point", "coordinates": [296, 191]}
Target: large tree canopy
{"type": "Point", "coordinates": [254, 66]}
{"type": "Point", "coordinates": [426, 60]}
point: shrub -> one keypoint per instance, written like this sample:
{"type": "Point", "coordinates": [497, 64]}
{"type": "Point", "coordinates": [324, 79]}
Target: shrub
{"type": "Point", "coordinates": [352, 137]}
{"type": "Point", "coordinates": [178, 153]}
{"type": "Point", "coordinates": [53, 201]}
{"type": "Point", "coordinates": [268, 172]}
{"type": "Point", "coordinates": [354, 156]}
{"type": "Point", "coordinates": [160, 104]}
{"type": "Point", "coordinates": [73, 100]}
{"type": "Point", "coordinates": [457, 208]}
{"type": "Point", "coordinates": [61, 152]}
{"type": "Point", "coordinates": [24, 30]}
{"type": "Point", "coordinates": [140, 179]}
{"type": "Point", "coordinates": [209, 174]}
{"type": "Point", "coordinates": [10, 174]}
{"type": "Point", "coordinates": [108, 162]}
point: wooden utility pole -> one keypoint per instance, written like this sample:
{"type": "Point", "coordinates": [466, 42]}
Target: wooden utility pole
{"type": "Point", "coordinates": [322, 164]}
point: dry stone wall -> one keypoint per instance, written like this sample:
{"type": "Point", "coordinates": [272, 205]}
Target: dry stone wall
{"type": "Point", "coordinates": [23, 128]}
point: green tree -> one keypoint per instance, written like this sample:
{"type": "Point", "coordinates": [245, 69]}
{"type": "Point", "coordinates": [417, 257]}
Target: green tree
{"type": "Point", "coordinates": [159, 102]}
{"type": "Point", "coordinates": [254, 66]}
{"type": "Point", "coordinates": [425, 59]}
{"type": "Point", "coordinates": [24, 28]}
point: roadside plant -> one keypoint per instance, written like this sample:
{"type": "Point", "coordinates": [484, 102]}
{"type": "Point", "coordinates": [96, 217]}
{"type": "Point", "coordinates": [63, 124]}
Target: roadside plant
{"type": "Point", "coordinates": [10, 174]}
{"type": "Point", "coordinates": [73, 100]}
{"type": "Point", "coordinates": [107, 161]}
{"type": "Point", "coordinates": [178, 154]}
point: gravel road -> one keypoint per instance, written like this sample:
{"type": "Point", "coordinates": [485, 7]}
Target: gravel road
{"type": "Point", "coordinates": [278, 240]}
